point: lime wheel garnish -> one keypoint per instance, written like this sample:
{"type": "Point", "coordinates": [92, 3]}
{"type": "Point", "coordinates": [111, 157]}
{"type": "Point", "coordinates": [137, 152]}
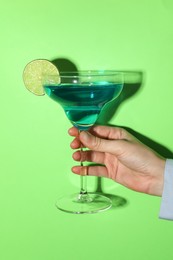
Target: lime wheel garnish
{"type": "Point", "coordinates": [34, 72]}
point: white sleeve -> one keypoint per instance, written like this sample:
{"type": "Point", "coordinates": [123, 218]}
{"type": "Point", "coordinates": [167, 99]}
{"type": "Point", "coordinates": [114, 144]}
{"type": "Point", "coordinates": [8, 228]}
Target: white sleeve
{"type": "Point", "coordinates": [166, 208]}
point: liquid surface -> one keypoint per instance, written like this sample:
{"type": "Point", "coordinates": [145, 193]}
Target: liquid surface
{"type": "Point", "coordinates": [83, 103]}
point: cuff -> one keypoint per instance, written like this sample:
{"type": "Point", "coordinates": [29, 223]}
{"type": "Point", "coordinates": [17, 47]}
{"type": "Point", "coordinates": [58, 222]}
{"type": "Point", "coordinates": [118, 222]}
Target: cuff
{"type": "Point", "coordinates": [166, 207]}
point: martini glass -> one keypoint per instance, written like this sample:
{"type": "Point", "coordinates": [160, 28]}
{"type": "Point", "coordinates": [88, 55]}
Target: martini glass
{"type": "Point", "coordinates": [82, 95]}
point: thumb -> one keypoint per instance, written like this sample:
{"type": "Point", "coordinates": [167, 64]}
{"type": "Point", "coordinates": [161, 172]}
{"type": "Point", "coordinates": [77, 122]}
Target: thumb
{"type": "Point", "coordinates": [98, 144]}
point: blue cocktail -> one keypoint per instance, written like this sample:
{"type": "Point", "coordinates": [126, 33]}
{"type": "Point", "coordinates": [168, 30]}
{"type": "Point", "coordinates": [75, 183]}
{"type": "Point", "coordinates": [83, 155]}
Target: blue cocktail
{"type": "Point", "coordinates": [82, 95]}
{"type": "Point", "coordinates": [82, 104]}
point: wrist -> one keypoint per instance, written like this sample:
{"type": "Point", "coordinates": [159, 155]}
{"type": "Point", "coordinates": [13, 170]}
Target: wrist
{"type": "Point", "coordinates": [158, 179]}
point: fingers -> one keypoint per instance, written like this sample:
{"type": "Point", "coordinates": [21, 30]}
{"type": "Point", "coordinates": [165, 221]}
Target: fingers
{"type": "Point", "coordinates": [73, 131]}
{"type": "Point", "coordinates": [104, 140]}
{"type": "Point", "coordinates": [100, 132]}
{"type": "Point", "coordinates": [111, 133]}
{"type": "Point", "coordinates": [99, 171]}
{"type": "Point", "coordinates": [89, 156]}
{"type": "Point", "coordinates": [76, 143]}
{"type": "Point", "coordinates": [116, 147]}
{"type": "Point", "coordinates": [106, 132]}
{"type": "Point", "coordinates": [94, 143]}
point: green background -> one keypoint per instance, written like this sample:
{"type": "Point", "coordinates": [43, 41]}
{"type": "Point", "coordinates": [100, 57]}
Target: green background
{"type": "Point", "coordinates": [127, 35]}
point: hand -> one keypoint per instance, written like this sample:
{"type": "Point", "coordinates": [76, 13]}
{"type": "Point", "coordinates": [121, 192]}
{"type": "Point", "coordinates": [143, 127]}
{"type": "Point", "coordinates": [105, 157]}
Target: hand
{"type": "Point", "coordinates": [124, 158]}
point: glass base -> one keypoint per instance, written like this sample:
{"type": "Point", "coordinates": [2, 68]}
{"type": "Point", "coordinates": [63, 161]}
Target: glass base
{"type": "Point", "coordinates": [84, 203]}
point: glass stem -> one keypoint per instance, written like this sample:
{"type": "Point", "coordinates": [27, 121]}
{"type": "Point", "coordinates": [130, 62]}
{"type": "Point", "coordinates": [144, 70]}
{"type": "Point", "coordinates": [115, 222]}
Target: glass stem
{"type": "Point", "coordinates": [83, 179]}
